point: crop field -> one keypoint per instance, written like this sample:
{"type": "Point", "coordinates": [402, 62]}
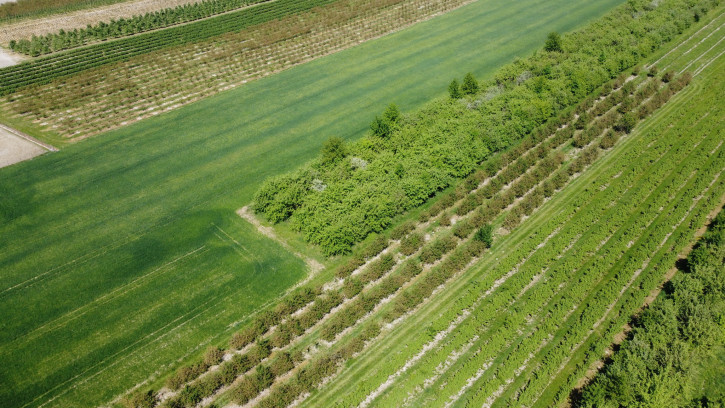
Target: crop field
{"type": "Point", "coordinates": [76, 107]}
{"type": "Point", "coordinates": [122, 256]}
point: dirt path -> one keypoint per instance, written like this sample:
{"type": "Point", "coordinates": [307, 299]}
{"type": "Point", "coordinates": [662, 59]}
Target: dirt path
{"type": "Point", "coordinates": [16, 146]}
{"type": "Point", "coordinates": [313, 265]}
{"type": "Point", "coordinates": [80, 19]}
{"type": "Point", "coordinates": [622, 335]}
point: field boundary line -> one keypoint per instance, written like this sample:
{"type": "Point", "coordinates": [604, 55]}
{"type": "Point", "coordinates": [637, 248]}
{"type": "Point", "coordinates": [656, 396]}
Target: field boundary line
{"type": "Point", "coordinates": [29, 138]}
{"type": "Point", "coordinates": [313, 265]}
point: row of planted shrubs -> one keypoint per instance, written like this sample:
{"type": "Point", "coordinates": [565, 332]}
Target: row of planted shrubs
{"type": "Point", "coordinates": [355, 189]}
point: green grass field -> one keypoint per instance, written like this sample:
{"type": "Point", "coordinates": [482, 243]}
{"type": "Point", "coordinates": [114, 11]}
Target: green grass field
{"type": "Point", "coordinates": [121, 256]}
{"type": "Point", "coordinates": [524, 343]}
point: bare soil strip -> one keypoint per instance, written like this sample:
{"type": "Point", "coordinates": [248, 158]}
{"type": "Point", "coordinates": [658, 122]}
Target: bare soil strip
{"type": "Point", "coordinates": [80, 19]}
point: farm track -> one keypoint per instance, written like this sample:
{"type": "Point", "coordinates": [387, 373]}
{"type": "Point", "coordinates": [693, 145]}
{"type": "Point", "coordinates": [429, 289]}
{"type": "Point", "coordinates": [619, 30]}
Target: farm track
{"type": "Point", "coordinates": [468, 346]}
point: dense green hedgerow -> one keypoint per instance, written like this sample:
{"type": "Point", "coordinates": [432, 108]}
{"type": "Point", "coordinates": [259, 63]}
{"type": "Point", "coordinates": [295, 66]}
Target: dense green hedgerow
{"type": "Point", "coordinates": [336, 204]}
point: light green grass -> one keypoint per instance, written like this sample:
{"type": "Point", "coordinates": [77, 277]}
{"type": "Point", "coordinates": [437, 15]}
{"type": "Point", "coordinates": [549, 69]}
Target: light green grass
{"type": "Point", "coordinates": [99, 284]}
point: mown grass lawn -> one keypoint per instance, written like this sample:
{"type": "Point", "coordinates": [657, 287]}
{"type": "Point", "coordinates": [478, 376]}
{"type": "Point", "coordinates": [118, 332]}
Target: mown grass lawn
{"type": "Point", "coordinates": [121, 256]}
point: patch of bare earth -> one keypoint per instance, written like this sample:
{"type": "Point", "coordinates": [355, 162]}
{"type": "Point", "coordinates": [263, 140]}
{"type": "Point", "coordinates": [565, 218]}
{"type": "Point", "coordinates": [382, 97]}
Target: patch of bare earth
{"type": "Point", "coordinates": [80, 19]}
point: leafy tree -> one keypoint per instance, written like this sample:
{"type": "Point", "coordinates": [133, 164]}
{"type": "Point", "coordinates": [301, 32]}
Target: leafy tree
{"type": "Point", "coordinates": [470, 85]}
{"type": "Point", "coordinates": [454, 90]}
{"type": "Point", "coordinates": [392, 113]}
{"type": "Point", "coordinates": [485, 235]}
{"type": "Point", "coordinates": [333, 150]}
{"type": "Point", "coordinates": [553, 42]}
{"type": "Point", "coordinates": [380, 127]}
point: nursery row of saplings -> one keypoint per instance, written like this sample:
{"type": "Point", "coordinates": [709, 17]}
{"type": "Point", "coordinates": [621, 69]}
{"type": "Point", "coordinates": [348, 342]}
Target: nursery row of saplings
{"type": "Point", "coordinates": [496, 307]}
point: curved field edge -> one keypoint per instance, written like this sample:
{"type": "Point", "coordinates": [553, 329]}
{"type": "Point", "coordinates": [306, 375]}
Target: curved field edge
{"type": "Point", "coordinates": [101, 214]}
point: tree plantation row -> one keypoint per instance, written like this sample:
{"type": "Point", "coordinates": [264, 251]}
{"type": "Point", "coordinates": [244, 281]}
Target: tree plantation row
{"type": "Point", "coordinates": [337, 200]}
{"type": "Point", "coordinates": [62, 40]}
